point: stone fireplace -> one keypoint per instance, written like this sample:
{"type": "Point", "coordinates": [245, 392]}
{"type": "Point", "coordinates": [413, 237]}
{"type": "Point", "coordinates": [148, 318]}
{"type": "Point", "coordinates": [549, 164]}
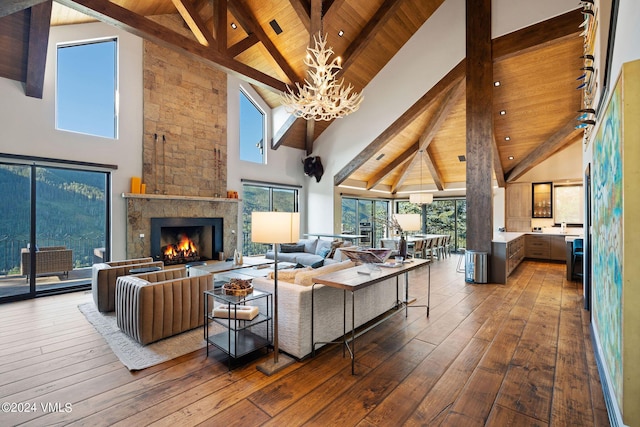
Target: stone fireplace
{"type": "Point", "coordinates": [184, 153]}
{"type": "Point", "coordinates": [213, 221]}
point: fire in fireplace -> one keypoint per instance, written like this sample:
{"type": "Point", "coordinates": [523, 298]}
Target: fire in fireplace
{"type": "Point", "coordinates": [183, 240]}
{"type": "Point", "coordinates": [181, 252]}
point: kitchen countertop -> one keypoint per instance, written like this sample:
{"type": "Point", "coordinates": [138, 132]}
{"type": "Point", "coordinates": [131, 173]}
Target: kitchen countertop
{"type": "Point", "coordinates": [508, 236]}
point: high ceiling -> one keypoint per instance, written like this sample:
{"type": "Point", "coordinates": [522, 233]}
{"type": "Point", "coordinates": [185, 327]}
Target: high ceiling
{"type": "Point", "coordinates": [536, 67]}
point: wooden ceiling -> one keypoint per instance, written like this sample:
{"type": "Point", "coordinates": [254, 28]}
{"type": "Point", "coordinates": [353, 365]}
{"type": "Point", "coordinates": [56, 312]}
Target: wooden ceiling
{"type": "Point", "coordinates": [536, 67]}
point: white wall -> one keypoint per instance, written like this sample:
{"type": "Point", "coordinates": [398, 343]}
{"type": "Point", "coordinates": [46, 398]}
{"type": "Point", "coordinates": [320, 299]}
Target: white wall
{"type": "Point", "coordinates": [28, 124]}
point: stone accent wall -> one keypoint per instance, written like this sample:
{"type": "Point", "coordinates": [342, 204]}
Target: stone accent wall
{"type": "Point", "coordinates": [185, 125]}
{"type": "Point", "coordinates": [140, 210]}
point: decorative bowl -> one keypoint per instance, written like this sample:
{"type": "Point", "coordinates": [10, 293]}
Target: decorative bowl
{"type": "Point", "coordinates": [238, 287]}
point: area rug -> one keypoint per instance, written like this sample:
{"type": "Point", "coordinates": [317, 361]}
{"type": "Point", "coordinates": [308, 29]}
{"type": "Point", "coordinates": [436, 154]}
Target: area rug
{"type": "Point", "coordinates": [133, 355]}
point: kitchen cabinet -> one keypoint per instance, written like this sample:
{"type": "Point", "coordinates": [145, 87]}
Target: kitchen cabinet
{"type": "Point", "coordinates": [538, 246]}
{"type": "Point", "coordinates": [518, 207]}
{"type": "Point", "coordinates": [542, 200]}
{"type": "Point", "coordinates": [507, 252]}
{"type": "Point", "coordinates": [558, 247]}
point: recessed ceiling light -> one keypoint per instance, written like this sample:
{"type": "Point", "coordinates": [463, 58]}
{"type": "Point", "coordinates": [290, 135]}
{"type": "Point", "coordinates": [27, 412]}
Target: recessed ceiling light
{"type": "Point", "coordinates": [503, 112]}
{"type": "Point", "coordinates": [511, 157]}
{"type": "Point", "coordinates": [496, 83]}
{"type": "Point", "coordinates": [507, 138]}
{"type": "Point", "coordinates": [341, 33]}
{"type": "Point", "coordinates": [233, 25]}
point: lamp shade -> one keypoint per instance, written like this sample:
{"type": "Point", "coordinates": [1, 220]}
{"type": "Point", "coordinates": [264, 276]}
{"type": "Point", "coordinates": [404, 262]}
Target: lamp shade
{"type": "Point", "coordinates": [409, 222]}
{"type": "Point", "coordinates": [421, 198]}
{"type": "Point", "coordinates": [275, 227]}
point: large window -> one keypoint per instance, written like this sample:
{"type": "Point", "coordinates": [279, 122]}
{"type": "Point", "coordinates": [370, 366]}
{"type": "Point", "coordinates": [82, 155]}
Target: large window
{"type": "Point", "coordinates": [568, 201]}
{"type": "Point", "coordinates": [264, 198]}
{"type": "Point", "coordinates": [87, 88]}
{"type": "Point", "coordinates": [252, 130]}
{"type": "Point", "coordinates": [443, 216]}
{"type": "Point", "coordinates": [366, 217]}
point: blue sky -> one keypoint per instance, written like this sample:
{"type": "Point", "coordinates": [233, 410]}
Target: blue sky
{"type": "Point", "coordinates": [251, 130]}
{"type": "Point", "coordinates": [86, 80]}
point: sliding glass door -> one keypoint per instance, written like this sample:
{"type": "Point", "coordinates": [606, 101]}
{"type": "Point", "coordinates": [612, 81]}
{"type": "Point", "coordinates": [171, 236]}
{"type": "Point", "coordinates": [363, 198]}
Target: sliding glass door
{"type": "Point", "coordinates": [53, 227]}
{"type": "Point", "coordinates": [15, 212]}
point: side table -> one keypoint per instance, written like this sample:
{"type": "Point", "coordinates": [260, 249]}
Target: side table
{"type": "Point", "coordinates": [238, 339]}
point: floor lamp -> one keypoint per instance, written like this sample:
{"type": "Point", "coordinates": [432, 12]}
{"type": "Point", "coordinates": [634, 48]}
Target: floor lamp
{"type": "Point", "coordinates": [274, 228]}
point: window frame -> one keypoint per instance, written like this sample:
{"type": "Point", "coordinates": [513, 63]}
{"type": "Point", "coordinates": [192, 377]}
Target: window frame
{"type": "Point", "coordinates": [116, 85]}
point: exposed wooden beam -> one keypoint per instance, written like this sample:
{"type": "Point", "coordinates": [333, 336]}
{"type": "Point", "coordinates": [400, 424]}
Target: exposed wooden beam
{"type": "Point", "coordinates": [308, 140]}
{"type": "Point", "coordinates": [198, 5]}
{"type": "Point", "coordinates": [120, 17]}
{"type": "Point", "coordinates": [242, 45]}
{"type": "Point", "coordinates": [446, 106]}
{"type": "Point", "coordinates": [303, 11]}
{"type": "Point", "coordinates": [330, 8]}
{"type": "Point", "coordinates": [315, 19]}
{"type": "Point", "coordinates": [385, 12]}
{"type": "Point", "coordinates": [403, 157]}
{"type": "Point", "coordinates": [404, 171]}
{"type": "Point", "coordinates": [220, 25]}
{"type": "Point", "coordinates": [497, 164]}
{"type": "Point", "coordinates": [430, 163]}
{"type": "Point", "coordinates": [534, 36]}
{"type": "Point", "coordinates": [8, 7]}
{"type": "Point", "coordinates": [194, 22]}
{"type": "Point", "coordinates": [449, 101]}
{"type": "Point", "coordinates": [38, 43]}
{"type": "Point", "coordinates": [251, 25]}
{"type": "Point", "coordinates": [445, 84]}
{"type": "Point", "coordinates": [282, 132]}
{"type": "Point", "coordinates": [566, 135]}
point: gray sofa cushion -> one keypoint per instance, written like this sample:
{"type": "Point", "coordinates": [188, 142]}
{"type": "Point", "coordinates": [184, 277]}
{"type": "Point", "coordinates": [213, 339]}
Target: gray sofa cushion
{"type": "Point", "coordinates": [287, 249]}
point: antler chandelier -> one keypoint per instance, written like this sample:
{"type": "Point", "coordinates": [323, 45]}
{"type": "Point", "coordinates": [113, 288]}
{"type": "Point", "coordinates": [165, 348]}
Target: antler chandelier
{"type": "Point", "coordinates": [322, 97]}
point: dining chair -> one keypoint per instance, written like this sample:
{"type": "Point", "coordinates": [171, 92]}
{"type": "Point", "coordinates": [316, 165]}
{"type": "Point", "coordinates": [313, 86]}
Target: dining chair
{"type": "Point", "coordinates": [418, 249]}
{"type": "Point", "coordinates": [428, 248]}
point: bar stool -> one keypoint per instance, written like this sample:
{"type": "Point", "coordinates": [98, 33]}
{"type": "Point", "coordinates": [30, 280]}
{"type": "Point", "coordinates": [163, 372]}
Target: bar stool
{"type": "Point", "coordinates": [577, 253]}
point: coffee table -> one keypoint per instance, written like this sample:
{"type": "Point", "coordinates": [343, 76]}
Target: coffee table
{"type": "Point", "coordinates": [215, 267]}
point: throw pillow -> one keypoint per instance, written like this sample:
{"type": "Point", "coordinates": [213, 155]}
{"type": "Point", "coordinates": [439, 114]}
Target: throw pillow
{"type": "Point", "coordinates": [287, 249]}
{"type": "Point", "coordinates": [334, 245]}
{"type": "Point", "coordinates": [318, 264]}
{"type": "Point", "coordinates": [305, 278]}
{"type": "Point", "coordinates": [324, 252]}
{"type": "Point", "coordinates": [288, 274]}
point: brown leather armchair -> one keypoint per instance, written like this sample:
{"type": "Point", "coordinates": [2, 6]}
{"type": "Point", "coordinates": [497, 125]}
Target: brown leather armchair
{"type": "Point", "coordinates": [105, 274]}
{"type": "Point", "coordinates": [152, 306]}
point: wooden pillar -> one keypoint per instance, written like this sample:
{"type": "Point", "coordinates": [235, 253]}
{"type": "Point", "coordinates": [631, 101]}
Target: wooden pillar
{"type": "Point", "coordinates": [479, 88]}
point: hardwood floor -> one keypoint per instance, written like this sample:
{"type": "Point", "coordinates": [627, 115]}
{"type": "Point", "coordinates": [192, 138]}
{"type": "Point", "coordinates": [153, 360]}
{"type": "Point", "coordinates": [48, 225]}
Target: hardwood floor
{"type": "Point", "coordinates": [515, 354]}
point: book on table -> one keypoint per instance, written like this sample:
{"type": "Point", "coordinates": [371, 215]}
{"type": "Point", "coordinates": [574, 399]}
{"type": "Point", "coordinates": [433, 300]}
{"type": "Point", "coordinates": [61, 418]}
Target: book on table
{"type": "Point", "coordinates": [242, 312]}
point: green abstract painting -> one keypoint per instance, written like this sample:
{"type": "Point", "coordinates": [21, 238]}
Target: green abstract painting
{"type": "Point", "coordinates": [608, 237]}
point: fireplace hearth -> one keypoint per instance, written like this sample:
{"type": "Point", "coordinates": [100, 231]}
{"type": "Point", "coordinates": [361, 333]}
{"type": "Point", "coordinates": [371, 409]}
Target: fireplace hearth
{"type": "Point", "coordinates": [184, 240]}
